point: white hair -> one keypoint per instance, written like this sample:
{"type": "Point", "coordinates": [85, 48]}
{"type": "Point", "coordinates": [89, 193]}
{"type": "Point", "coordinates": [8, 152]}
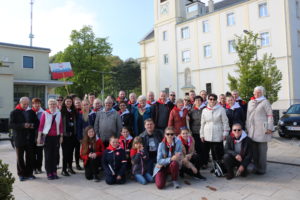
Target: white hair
{"type": "Point", "coordinates": [108, 100]}
{"type": "Point", "coordinates": [142, 98]}
{"type": "Point", "coordinates": [24, 99]}
{"type": "Point", "coordinates": [260, 88]}
{"type": "Point", "coordinates": [52, 101]}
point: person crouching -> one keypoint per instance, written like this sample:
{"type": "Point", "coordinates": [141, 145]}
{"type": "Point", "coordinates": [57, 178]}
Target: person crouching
{"type": "Point", "coordinates": [114, 163]}
{"type": "Point", "coordinates": [238, 153]}
{"type": "Point", "coordinates": [91, 153]}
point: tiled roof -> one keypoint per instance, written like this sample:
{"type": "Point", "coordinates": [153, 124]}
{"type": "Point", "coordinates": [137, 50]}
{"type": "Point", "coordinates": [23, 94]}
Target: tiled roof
{"type": "Point", "coordinates": [149, 35]}
{"type": "Point", "coordinates": [24, 46]}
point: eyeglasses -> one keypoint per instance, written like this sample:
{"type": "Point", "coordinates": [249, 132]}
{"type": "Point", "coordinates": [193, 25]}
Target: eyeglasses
{"type": "Point", "coordinates": [173, 95]}
{"type": "Point", "coordinates": [235, 130]}
{"type": "Point", "coordinates": [59, 100]}
{"type": "Point", "coordinates": [170, 134]}
{"type": "Point", "coordinates": [211, 99]}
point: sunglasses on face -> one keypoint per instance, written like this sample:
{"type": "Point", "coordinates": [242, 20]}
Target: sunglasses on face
{"type": "Point", "coordinates": [170, 134]}
{"type": "Point", "coordinates": [212, 99]}
{"type": "Point", "coordinates": [173, 95]}
{"type": "Point", "coordinates": [235, 130]}
{"type": "Point", "coordinates": [59, 100]}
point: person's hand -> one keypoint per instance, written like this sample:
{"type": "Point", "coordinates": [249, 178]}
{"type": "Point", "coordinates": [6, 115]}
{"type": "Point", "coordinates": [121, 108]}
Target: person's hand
{"type": "Point", "coordinates": [269, 131]}
{"type": "Point", "coordinates": [202, 139]}
{"type": "Point", "coordinates": [119, 177]}
{"type": "Point", "coordinates": [224, 138]}
{"type": "Point", "coordinates": [175, 157]}
{"type": "Point", "coordinates": [194, 169]}
{"type": "Point", "coordinates": [240, 170]}
{"type": "Point", "coordinates": [238, 158]}
{"type": "Point", "coordinates": [61, 139]}
{"type": "Point", "coordinates": [189, 156]}
{"type": "Point", "coordinates": [26, 125]}
{"type": "Point", "coordinates": [38, 140]}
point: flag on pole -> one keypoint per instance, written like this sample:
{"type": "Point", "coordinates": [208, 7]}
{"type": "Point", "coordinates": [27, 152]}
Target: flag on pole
{"type": "Point", "coordinates": [61, 70]}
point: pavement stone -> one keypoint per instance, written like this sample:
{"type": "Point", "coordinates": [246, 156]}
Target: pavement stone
{"type": "Point", "coordinates": [280, 182]}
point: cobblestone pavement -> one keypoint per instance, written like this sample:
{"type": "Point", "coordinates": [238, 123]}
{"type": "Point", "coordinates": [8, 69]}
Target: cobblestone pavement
{"type": "Point", "coordinates": [282, 181]}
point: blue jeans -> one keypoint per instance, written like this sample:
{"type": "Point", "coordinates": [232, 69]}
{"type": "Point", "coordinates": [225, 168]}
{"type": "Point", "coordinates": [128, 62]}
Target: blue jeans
{"type": "Point", "coordinates": [143, 179]}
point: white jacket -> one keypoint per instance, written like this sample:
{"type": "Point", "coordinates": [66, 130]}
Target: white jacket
{"type": "Point", "coordinates": [214, 124]}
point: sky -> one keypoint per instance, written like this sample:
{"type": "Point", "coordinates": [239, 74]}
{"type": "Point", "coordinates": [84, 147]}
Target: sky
{"type": "Point", "coordinates": [123, 22]}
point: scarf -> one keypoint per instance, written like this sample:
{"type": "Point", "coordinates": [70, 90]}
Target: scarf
{"type": "Point", "coordinates": [161, 102]}
{"type": "Point", "coordinates": [180, 111]}
{"type": "Point", "coordinates": [171, 147]}
{"type": "Point", "coordinates": [35, 110]}
{"type": "Point", "coordinates": [133, 152]}
{"type": "Point", "coordinates": [234, 106]}
{"type": "Point", "coordinates": [151, 102]}
{"type": "Point", "coordinates": [260, 98]}
{"type": "Point", "coordinates": [123, 113]}
{"type": "Point", "coordinates": [111, 148]}
{"type": "Point", "coordinates": [186, 143]}
{"type": "Point", "coordinates": [18, 107]}
{"type": "Point", "coordinates": [213, 108]}
{"type": "Point", "coordinates": [238, 140]}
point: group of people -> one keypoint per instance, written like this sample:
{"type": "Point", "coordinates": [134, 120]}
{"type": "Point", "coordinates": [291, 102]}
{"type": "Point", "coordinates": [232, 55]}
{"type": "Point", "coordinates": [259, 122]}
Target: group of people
{"type": "Point", "coordinates": [143, 138]}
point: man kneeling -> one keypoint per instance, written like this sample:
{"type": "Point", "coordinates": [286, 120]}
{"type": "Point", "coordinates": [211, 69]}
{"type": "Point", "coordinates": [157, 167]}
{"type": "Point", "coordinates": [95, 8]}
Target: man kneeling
{"type": "Point", "coordinates": [238, 153]}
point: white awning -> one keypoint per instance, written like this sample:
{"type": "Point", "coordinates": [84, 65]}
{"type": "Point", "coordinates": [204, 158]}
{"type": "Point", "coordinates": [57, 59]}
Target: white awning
{"type": "Point", "coordinates": [50, 83]}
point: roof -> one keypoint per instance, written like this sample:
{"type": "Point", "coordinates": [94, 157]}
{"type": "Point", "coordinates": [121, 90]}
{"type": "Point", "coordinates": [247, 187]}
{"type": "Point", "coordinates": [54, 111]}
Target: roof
{"type": "Point", "coordinates": [227, 3]}
{"type": "Point", "coordinates": [54, 83]}
{"type": "Point", "coordinates": [149, 36]}
{"type": "Point", "coordinates": [24, 46]}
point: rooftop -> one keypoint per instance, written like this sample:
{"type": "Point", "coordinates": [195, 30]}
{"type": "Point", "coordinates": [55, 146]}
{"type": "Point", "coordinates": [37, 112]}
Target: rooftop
{"type": "Point", "coordinates": [24, 46]}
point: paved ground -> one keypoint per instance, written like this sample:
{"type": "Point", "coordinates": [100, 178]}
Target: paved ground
{"type": "Point", "coordinates": [281, 182]}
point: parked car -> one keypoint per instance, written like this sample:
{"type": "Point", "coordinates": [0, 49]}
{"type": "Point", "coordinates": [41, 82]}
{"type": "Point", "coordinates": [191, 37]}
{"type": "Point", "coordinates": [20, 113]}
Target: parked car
{"type": "Point", "coordinates": [289, 123]}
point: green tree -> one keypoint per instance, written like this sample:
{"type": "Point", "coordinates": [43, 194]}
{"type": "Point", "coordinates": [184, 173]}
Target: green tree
{"type": "Point", "coordinates": [252, 72]}
{"type": "Point", "coordinates": [6, 182]}
{"type": "Point", "coordinates": [87, 54]}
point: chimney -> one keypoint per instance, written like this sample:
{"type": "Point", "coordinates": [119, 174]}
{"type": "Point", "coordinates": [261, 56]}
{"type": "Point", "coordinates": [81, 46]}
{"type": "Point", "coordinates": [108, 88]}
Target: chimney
{"type": "Point", "coordinates": [211, 6]}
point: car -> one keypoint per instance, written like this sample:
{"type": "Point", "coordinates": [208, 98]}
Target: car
{"type": "Point", "coordinates": [289, 123]}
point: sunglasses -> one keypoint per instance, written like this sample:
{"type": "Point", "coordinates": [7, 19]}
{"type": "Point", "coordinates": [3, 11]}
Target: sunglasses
{"type": "Point", "coordinates": [170, 134]}
{"type": "Point", "coordinates": [212, 99]}
{"type": "Point", "coordinates": [235, 130]}
{"type": "Point", "coordinates": [172, 95]}
{"type": "Point", "coordinates": [59, 100]}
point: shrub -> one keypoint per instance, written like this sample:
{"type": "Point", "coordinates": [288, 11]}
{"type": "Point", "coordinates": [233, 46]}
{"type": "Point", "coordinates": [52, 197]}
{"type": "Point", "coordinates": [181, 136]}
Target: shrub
{"type": "Point", "coordinates": [6, 182]}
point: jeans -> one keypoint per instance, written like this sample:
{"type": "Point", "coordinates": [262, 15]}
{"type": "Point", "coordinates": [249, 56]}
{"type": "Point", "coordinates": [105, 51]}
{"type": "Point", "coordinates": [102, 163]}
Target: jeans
{"type": "Point", "coordinates": [143, 179]}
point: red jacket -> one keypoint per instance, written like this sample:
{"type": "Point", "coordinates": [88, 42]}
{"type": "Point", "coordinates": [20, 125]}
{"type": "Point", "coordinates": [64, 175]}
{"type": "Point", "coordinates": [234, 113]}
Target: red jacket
{"type": "Point", "coordinates": [176, 121]}
{"type": "Point", "coordinates": [99, 151]}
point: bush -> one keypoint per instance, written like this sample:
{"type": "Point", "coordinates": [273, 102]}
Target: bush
{"type": "Point", "coordinates": [6, 182]}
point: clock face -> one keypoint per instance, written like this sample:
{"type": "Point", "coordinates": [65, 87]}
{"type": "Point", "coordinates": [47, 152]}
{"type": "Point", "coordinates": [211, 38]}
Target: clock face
{"type": "Point", "coordinates": [164, 9]}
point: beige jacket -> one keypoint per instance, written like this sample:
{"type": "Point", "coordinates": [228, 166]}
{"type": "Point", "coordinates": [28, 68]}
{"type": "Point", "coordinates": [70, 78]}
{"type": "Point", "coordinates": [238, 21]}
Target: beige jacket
{"type": "Point", "coordinates": [259, 120]}
{"type": "Point", "coordinates": [214, 124]}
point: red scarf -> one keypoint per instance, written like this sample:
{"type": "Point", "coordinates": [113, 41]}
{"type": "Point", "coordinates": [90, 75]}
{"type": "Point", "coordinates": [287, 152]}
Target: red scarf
{"type": "Point", "coordinates": [196, 108]}
{"type": "Point", "coordinates": [184, 142]}
{"type": "Point", "coordinates": [131, 103]}
{"type": "Point", "coordinates": [133, 152]}
{"type": "Point", "coordinates": [170, 146]}
{"type": "Point", "coordinates": [227, 106]}
{"type": "Point", "coordinates": [126, 142]}
{"type": "Point", "coordinates": [118, 99]}
{"type": "Point", "coordinates": [252, 98]}
{"type": "Point", "coordinates": [35, 110]}
{"type": "Point", "coordinates": [18, 107]}
{"type": "Point", "coordinates": [160, 102]}
{"type": "Point", "coordinates": [233, 138]}
{"type": "Point", "coordinates": [111, 148]}
{"type": "Point", "coordinates": [95, 110]}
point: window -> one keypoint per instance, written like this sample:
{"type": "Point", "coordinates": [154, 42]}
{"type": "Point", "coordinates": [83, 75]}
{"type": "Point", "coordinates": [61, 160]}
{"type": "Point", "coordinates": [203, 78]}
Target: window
{"type": "Point", "coordinates": [161, 1]}
{"type": "Point", "coordinates": [263, 10]}
{"type": "Point", "coordinates": [231, 46]}
{"type": "Point", "coordinates": [265, 39]}
{"type": "Point", "coordinates": [207, 51]}
{"type": "Point", "coordinates": [205, 26]}
{"type": "Point", "coordinates": [166, 59]}
{"type": "Point", "coordinates": [192, 8]}
{"type": "Point", "coordinates": [297, 9]}
{"type": "Point", "coordinates": [165, 35]}
{"type": "Point", "coordinates": [186, 56]}
{"type": "Point", "coordinates": [230, 19]}
{"type": "Point", "coordinates": [185, 33]}
{"type": "Point", "coordinates": [28, 62]}
{"type": "Point", "coordinates": [208, 88]}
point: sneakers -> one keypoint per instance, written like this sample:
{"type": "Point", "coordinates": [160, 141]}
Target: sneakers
{"type": "Point", "coordinates": [22, 178]}
{"type": "Point", "coordinates": [32, 177]}
{"type": "Point", "coordinates": [176, 184]}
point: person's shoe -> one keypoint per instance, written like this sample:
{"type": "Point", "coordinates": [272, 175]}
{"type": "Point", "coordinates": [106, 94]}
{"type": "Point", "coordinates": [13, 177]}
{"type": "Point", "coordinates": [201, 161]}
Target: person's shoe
{"type": "Point", "coordinates": [32, 177]}
{"type": "Point", "coordinates": [70, 170]}
{"type": "Point", "coordinates": [22, 178]}
{"type": "Point", "coordinates": [50, 177]}
{"type": "Point", "coordinates": [36, 171]}
{"type": "Point", "coordinates": [229, 176]}
{"type": "Point", "coordinates": [204, 167]}
{"type": "Point", "coordinates": [176, 184]}
{"type": "Point", "coordinates": [199, 176]}
{"type": "Point", "coordinates": [78, 167]}
{"type": "Point", "coordinates": [96, 178]}
{"type": "Point", "coordinates": [65, 173]}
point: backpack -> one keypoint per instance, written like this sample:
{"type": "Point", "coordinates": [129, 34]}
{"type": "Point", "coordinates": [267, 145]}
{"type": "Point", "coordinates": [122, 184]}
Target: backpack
{"type": "Point", "coordinates": [219, 169]}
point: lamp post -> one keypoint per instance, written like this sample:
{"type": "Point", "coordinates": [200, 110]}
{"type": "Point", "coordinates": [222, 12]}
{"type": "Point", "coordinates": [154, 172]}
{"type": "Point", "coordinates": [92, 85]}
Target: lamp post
{"type": "Point", "coordinates": [102, 73]}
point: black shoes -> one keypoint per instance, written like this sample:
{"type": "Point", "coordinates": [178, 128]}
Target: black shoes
{"type": "Point", "coordinates": [199, 176]}
{"type": "Point", "coordinates": [78, 167]}
{"type": "Point", "coordinates": [65, 173]}
{"type": "Point", "coordinates": [70, 170]}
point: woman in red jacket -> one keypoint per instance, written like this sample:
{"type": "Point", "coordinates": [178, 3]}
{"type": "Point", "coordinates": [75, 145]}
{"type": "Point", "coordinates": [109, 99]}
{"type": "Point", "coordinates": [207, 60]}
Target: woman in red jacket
{"type": "Point", "coordinates": [91, 152]}
{"type": "Point", "coordinates": [178, 116]}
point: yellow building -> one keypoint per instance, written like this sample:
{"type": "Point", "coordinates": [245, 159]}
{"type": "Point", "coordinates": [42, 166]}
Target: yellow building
{"type": "Point", "coordinates": [191, 44]}
{"type": "Point", "coordinates": [24, 72]}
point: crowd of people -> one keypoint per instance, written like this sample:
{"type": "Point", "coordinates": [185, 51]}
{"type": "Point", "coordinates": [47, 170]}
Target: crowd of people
{"type": "Point", "coordinates": [143, 138]}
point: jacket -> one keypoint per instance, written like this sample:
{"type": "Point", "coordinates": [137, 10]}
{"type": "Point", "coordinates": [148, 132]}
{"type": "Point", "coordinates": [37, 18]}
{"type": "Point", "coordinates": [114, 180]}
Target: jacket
{"type": "Point", "coordinates": [107, 124]}
{"type": "Point", "coordinates": [214, 124]}
{"type": "Point", "coordinates": [67, 123]}
{"type": "Point", "coordinates": [98, 150]}
{"type": "Point", "coordinates": [176, 121]}
{"type": "Point", "coordinates": [127, 119]}
{"type": "Point", "coordinates": [135, 113]}
{"type": "Point", "coordinates": [246, 150]}
{"type": "Point", "coordinates": [259, 120]}
{"type": "Point", "coordinates": [81, 124]}
{"type": "Point", "coordinates": [188, 148]}
{"type": "Point", "coordinates": [160, 114]}
{"type": "Point", "coordinates": [139, 162]}
{"type": "Point", "coordinates": [157, 135]}
{"type": "Point", "coordinates": [23, 136]}
{"type": "Point", "coordinates": [195, 120]}
{"type": "Point", "coordinates": [163, 157]}
{"type": "Point", "coordinates": [114, 162]}
{"type": "Point", "coordinates": [235, 114]}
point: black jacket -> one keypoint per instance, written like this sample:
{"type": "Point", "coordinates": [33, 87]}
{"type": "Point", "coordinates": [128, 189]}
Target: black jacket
{"type": "Point", "coordinates": [195, 120]}
{"type": "Point", "coordinates": [236, 116]}
{"type": "Point", "coordinates": [157, 135]}
{"type": "Point", "coordinates": [114, 162]}
{"type": "Point", "coordinates": [23, 136]}
{"type": "Point", "coordinates": [127, 120]}
{"type": "Point", "coordinates": [139, 163]}
{"type": "Point", "coordinates": [246, 150]}
{"type": "Point", "coordinates": [160, 114]}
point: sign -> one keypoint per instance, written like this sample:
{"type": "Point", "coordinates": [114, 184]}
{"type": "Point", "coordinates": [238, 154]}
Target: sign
{"type": "Point", "coordinates": [61, 70]}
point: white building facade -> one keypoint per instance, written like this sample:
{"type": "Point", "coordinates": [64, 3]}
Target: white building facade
{"type": "Point", "coordinates": [191, 45]}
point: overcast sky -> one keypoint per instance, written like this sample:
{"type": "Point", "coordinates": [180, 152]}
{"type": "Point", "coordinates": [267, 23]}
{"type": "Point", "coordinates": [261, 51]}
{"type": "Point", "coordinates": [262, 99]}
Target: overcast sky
{"type": "Point", "coordinates": [124, 22]}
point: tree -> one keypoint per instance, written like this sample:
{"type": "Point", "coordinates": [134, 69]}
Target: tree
{"type": "Point", "coordinates": [87, 55]}
{"type": "Point", "coordinates": [6, 182]}
{"type": "Point", "coordinates": [252, 72]}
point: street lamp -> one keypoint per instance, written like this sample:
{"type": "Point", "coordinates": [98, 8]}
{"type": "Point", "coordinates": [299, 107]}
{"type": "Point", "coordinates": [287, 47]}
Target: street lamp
{"type": "Point", "coordinates": [102, 72]}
